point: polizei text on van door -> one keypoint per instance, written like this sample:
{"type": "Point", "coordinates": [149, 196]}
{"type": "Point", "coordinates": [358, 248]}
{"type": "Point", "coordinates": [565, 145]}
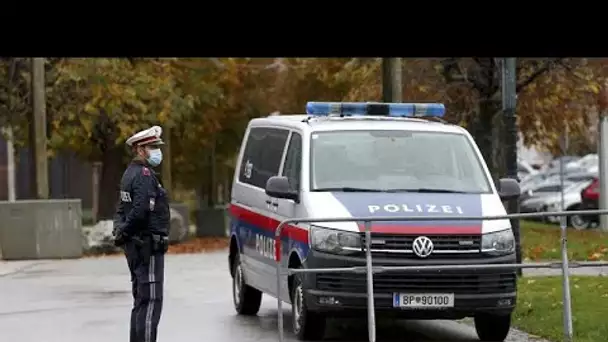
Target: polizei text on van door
{"type": "Point", "coordinates": [266, 246]}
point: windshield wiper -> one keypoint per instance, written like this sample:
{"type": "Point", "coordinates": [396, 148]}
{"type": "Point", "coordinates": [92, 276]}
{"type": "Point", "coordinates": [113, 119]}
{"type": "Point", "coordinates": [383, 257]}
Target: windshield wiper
{"type": "Point", "coordinates": [428, 190]}
{"type": "Point", "coordinates": [349, 189]}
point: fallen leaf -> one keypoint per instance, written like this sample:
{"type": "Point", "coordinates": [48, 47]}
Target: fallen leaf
{"type": "Point", "coordinates": [199, 245]}
{"type": "Point", "coordinates": [596, 256]}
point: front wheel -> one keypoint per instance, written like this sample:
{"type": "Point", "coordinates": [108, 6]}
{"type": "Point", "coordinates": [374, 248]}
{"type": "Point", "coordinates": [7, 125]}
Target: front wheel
{"type": "Point", "coordinates": [492, 328]}
{"type": "Point", "coordinates": [247, 300]}
{"type": "Point", "coordinates": [307, 325]}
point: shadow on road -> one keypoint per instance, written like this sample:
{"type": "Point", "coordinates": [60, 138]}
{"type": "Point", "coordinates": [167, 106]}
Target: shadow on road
{"type": "Point", "coordinates": [355, 330]}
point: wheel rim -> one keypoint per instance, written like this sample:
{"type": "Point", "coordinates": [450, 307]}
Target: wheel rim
{"type": "Point", "coordinates": [237, 285]}
{"type": "Point", "coordinates": [297, 308]}
{"type": "Point", "coordinates": [578, 222]}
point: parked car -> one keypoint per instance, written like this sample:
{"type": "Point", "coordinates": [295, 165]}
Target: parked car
{"type": "Point", "coordinates": [574, 174]}
{"type": "Point", "coordinates": [542, 189]}
{"type": "Point", "coordinates": [554, 164]}
{"type": "Point", "coordinates": [548, 199]}
{"type": "Point", "coordinates": [589, 161]}
{"type": "Point", "coordinates": [590, 198]}
{"type": "Point", "coordinates": [524, 169]}
{"type": "Point", "coordinates": [531, 201]}
{"type": "Point", "coordinates": [575, 177]}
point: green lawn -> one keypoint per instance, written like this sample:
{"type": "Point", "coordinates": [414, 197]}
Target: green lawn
{"type": "Point", "coordinates": [539, 309]}
{"type": "Point", "coordinates": [542, 242]}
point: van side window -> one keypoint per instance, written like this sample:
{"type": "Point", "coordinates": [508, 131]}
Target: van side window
{"type": "Point", "coordinates": [293, 161]}
{"type": "Point", "coordinates": [262, 156]}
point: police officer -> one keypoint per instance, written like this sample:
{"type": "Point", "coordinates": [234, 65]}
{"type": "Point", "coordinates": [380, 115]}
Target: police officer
{"type": "Point", "coordinates": [141, 227]}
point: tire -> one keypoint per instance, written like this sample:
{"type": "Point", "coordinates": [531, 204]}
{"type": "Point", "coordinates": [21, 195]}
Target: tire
{"type": "Point", "coordinates": [247, 300]}
{"type": "Point", "coordinates": [307, 325]}
{"type": "Point", "coordinates": [579, 222]}
{"type": "Point", "coordinates": [492, 328]}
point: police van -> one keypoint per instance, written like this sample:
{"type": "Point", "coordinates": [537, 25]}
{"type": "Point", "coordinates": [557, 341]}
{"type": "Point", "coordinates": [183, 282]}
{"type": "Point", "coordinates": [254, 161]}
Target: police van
{"type": "Point", "coordinates": [362, 160]}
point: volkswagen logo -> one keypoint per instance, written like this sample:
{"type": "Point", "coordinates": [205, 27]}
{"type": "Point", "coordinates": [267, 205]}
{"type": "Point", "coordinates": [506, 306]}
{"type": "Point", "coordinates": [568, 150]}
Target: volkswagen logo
{"type": "Point", "coordinates": [422, 246]}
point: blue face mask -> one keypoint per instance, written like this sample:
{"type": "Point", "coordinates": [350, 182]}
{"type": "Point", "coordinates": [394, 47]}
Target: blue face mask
{"type": "Point", "coordinates": [155, 157]}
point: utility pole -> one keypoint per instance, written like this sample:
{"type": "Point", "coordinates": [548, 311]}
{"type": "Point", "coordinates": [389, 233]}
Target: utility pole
{"type": "Point", "coordinates": [38, 89]}
{"type": "Point", "coordinates": [392, 89]}
{"type": "Point", "coordinates": [509, 105]}
{"type": "Point", "coordinates": [10, 147]}
{"type": "Point", "coordinates": [603, 153]}
{"type": "Point", "coordinates": [10, 164]}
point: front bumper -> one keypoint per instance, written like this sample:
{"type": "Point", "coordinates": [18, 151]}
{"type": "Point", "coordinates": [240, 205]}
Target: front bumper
{"type": "Point", "coordinates": [345, 294]}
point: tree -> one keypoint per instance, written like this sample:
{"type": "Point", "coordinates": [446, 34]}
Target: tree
{"type": "Point", "coordinates": [209, 141]}
{"type": "Point", "coordinates": [95, 104]}
{"type": "Point", "coordinates": [553, 93]}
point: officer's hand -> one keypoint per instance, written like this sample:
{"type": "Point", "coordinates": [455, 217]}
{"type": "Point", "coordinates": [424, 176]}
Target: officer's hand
{"type": "Point", "coordinates": [120, 239]}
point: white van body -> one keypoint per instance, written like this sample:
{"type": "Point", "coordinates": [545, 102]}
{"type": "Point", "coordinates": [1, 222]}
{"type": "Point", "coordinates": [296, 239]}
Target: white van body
{"type": "Point", "coordinates": [368, 166]}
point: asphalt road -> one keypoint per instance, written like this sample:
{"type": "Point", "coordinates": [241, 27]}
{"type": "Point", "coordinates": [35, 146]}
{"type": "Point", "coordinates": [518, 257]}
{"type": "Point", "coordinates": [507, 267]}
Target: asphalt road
{"type": "Point", "coordinates": [89, 300]}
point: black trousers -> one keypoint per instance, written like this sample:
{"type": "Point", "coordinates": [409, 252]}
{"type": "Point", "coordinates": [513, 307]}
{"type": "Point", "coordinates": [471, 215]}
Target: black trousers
{"type": "Point", "coordinates": [147, 275]}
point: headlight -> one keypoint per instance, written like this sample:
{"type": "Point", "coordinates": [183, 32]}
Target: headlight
{"type": "Point", "coordinates": [501, 242]}
{"type": "Point", "coordinates": [334, 241]}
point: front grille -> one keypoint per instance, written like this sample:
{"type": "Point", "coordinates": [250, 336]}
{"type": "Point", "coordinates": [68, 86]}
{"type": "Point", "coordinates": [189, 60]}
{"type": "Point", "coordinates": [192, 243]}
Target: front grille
{"type": "Point", "coordinates": [467, 283]}
{"type": "Point", "coordinates": [400, 246]}
{"type": "Point", "coordinates": [440, 242]}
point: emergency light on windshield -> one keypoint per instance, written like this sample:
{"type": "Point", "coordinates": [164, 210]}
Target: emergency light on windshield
{"type": "Point", "coordinates": [375, 108]}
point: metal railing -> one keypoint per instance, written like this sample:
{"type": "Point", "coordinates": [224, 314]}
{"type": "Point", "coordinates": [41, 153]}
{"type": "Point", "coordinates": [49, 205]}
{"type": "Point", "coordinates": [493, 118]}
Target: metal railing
{"type": "Point", "coordinates": [371, 270]}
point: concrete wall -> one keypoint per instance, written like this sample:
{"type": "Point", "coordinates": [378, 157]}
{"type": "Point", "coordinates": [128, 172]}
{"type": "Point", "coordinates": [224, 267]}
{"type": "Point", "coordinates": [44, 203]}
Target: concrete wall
{"type": "Point", "coordinates": [41, 229]}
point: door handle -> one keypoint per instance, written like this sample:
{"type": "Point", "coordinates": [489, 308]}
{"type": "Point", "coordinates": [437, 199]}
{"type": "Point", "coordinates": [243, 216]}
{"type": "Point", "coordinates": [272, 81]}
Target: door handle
{"type": "Point", "coordinates": [274, 204]}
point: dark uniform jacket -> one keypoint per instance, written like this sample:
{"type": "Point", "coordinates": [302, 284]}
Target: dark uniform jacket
{"type": "Point", "coordinates": [144, 206]}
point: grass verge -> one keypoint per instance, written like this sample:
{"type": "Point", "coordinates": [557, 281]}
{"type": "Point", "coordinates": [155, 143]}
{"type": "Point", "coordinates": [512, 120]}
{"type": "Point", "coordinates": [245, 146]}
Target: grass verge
{"type": "Point", "coordinates": [541, 241]}
{"type": "Point", "coordinates": [539, 310]}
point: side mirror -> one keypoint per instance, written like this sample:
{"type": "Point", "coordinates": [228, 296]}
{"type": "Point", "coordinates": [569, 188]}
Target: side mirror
{"type": "Point", "coordinates": [508, 189]}
{"type": "Point", "coordinates": [278, 187]}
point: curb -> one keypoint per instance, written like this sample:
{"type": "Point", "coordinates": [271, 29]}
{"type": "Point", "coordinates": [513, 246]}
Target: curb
{"type": "Point", "coordinates": [11, 267]}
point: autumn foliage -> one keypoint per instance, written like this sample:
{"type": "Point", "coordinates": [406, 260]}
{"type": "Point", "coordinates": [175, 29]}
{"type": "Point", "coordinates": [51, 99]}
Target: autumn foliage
{"type": "Point", "coordinates": [205, 103]}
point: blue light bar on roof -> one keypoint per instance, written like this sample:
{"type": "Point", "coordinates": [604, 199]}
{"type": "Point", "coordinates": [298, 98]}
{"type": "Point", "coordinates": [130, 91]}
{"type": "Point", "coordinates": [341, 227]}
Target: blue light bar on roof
{"type": "Point", "coordinates": [375, 108]}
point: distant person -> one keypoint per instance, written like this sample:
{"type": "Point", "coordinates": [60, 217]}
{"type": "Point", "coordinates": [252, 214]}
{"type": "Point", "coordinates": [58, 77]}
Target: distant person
{"type": "Point", "coordinates": [141, 226]}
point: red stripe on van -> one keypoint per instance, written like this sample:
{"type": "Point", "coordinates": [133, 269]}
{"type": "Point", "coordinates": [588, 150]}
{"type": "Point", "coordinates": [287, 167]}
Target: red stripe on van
{"type": "Point", "coordinates": [421, 230]}
{"type": "Point", "coordinates": [269, 224]}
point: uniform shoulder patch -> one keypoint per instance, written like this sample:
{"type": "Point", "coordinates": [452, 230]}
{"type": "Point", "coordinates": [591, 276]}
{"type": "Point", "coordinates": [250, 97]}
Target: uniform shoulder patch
{"type": "Point", "coordinates": [145, 171]}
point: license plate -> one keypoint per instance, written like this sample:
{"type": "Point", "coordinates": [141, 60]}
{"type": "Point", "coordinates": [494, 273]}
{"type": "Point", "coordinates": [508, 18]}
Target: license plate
{"type": "Point", "coordinates": [423, 300]}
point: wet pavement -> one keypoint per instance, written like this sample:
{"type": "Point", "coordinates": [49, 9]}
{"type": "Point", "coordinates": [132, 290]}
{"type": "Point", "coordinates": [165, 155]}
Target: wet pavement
{"type": "Point", "coordinates": [90, 300]}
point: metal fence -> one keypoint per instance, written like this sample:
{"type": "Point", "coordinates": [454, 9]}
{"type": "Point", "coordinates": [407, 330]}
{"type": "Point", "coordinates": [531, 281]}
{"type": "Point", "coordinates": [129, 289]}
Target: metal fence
{"type": "Point", "coordinates": [371, 270]}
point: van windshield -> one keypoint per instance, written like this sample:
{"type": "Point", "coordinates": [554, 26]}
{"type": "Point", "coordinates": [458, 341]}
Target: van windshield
{"type": "Point", "coordinates": [395, 161]}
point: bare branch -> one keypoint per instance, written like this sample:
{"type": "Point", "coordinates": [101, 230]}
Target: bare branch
{"type": "Point", "coordinates": [548, 66]}
{"type": "Point", "coordinates": [453, 73]}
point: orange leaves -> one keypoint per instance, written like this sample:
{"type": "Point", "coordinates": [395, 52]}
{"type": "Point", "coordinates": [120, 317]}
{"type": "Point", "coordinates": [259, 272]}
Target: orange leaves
{"type": "Point", "coordinates": [199, 245]}
{"type": "Point", "coordinates": [535, 253]}
{"type": "Point", "coordinates": [559, 100]}
{"type": "Point", "coordinates": [129, 94]}
{"type": "Point", "coordinates": [598, 254]}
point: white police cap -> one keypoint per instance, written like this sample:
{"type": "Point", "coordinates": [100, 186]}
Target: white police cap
{"type": "Point", "coordinates": [150, 136]}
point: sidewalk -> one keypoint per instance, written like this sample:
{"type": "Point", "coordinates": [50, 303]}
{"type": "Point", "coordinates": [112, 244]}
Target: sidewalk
{"type": "Point", "coordinates": [583, 271]}
{"type": "Point", "coordinates": [10, 267]}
